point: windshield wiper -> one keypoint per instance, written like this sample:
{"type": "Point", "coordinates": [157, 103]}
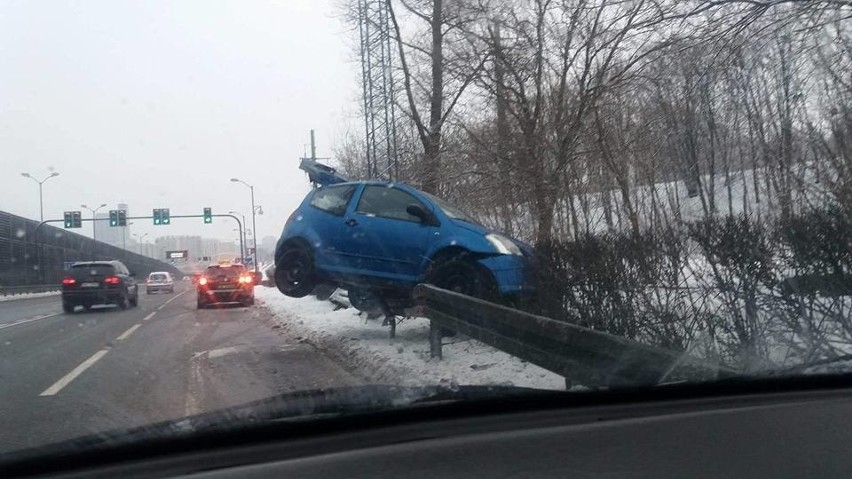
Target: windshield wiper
{"type": "Point", "coordinates": [823, 366]}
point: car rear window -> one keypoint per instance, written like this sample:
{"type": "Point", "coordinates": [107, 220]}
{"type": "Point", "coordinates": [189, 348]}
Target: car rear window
{"type": "Point", "coordinates": [333, 199]}
{"type": "Point", "coordinates": [159, 277]}
{"type": "Point", "coordinates": [217, 270]}
{"type": "Point", "coordinates": [93, 269]}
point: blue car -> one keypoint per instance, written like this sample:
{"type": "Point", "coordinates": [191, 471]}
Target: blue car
{"type": "Point", "coordinates": [379, 239]}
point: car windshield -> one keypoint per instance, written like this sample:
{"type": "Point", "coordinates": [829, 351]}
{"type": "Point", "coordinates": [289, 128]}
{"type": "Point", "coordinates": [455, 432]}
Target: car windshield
{"type": "Point", "coordinates": [207, 204]}
{"type": "Point", "coordinates": [452, 211]}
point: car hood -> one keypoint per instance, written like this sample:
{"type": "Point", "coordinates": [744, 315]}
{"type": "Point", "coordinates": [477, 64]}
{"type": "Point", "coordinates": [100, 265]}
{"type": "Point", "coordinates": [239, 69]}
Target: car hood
{"type": "Point", "coordinates": [527, 249]}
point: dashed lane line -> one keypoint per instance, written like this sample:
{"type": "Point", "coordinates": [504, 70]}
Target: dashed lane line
{"type": "Point", "coordinates": [150, 315]}
{"type": "Point", "coordinates": [127, 333]}
{"type": "Point", "coordinates": [66, 380]}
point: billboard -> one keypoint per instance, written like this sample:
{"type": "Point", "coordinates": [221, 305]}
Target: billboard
{"type": "Point", "coordinates": [180, 254]}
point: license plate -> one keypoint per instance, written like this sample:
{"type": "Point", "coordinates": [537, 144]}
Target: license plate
{"type": "Point", "coordinates": [225, 286]}
{"type": "Point", "coordinates": [89, 285]}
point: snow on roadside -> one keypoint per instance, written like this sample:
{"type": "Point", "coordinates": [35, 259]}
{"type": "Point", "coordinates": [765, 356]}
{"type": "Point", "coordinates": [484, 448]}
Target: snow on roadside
{"type": "Point", "coordinates": [28, 295]}
{"type": "Point", "coordinates": [364, 347]}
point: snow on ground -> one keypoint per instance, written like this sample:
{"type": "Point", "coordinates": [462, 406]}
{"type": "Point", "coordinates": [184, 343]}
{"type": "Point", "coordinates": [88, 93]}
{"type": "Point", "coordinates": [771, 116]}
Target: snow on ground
{"type": "Point", "coordinates": [364, 347]}
{"type": "Point", "coordinates": [11, 297]}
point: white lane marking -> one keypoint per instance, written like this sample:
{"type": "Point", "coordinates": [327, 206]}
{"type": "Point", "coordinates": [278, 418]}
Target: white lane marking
{"type": "Point", "coordinates": [28, 320]}
{"type": "Point", "coordinates": [215, 353]}
{"type": "Point", "coordinates": [170, 300]}
{"type": "Point", "coordinates": [66, 380]}
{"type": "Point", "coordinates": [127, 333]}
{"type": "Point", "coordinates": [150, 315]}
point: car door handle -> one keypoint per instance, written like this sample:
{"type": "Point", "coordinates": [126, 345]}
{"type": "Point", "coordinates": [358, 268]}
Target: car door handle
{"type": "Point", "coordinates": [351, 222]}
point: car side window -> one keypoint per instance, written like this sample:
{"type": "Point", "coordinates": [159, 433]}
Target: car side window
{"type": "Point", "coordinates": [387, 202]}
{"type": "Point", "coordinates": [333, 199]}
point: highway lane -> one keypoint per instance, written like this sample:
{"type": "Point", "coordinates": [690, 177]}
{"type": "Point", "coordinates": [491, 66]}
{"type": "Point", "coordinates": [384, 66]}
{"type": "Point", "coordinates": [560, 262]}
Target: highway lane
{"type": "Point", "coordinates": [71, 375]}
{"type": "Point", "coordinates": [25, 309]}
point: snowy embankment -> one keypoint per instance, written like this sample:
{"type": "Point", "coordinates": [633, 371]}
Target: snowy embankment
{"type": "Point", "coordinates": [363, 346]}
{"type": "Point", "coordinates": [10, 297]}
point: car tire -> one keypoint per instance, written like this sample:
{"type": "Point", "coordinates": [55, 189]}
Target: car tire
{"type": "Point", "coordinates": [201, 304]}
{"type": "Point", "coordinates": [121, 302]}
{"type": "Point", "coordinates": [147, 291]}
{"type": "Point", "coordinates": [294, 273]}
{"type": "Point", "coordinates": [462, 275]}
{"type": "Point", "coordinates": [67, 307]}
{"type": "Point", "coordinates": [134, 301]}
{"type": "Point", "coordinates": [247, 302]}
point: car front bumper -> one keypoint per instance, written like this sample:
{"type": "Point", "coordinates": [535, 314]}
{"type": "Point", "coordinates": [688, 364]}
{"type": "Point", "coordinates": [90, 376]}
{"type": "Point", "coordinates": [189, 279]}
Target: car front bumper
{"type": "Point", "coordinates": [513, 274]}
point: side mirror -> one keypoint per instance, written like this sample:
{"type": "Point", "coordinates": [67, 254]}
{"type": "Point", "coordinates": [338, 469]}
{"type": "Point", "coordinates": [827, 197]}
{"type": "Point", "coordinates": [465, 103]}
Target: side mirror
{"type": "Point", "coordinates": [426, 217]}
{"type": "Point", "coordinates": [132, 274]}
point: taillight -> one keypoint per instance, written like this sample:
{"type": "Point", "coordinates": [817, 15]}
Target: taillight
{"type": "Point", "coordinates": [202, 281]}
{"type": "Point", "coordinates": [112, 280]}
{"type": "Point", "coordinates": [68, 280]}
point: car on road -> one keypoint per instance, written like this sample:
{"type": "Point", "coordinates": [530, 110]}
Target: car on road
{"type": "Point", "coordinates": [380, 239]}
{"type": "Point", "coordinates": [99, 282]}
{"type": "Point", "coordinates": [225, 283]}
{"type": "Point", "coordinates": [160, 281]}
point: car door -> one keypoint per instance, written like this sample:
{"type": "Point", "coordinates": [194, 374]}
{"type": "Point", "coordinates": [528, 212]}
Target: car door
{"type": "Point", "coordinates": [383, 240]}
{"type": "Point", "coordinates": [129, 281]}
{"type": "Point", "coordinates": [327, 209]}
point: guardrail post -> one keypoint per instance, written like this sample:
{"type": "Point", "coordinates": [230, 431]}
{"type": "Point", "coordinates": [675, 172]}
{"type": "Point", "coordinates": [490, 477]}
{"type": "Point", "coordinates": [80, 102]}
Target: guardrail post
{"type": "Point", "coordinates": [435, 340]}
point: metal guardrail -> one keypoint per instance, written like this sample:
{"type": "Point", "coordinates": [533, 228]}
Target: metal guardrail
{"type": "Point", "coordinates": [581, 355]}
{"type": "Point", "coordinates": [16, 290]}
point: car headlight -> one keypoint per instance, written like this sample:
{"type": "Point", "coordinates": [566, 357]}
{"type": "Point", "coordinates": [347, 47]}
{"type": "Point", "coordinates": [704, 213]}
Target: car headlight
{"type": "Point", "coordinates": [503, 245]}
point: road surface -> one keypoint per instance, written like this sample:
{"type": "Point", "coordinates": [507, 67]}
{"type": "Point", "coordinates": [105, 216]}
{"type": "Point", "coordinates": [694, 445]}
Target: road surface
{"type": "Point", "coordinates": [68, 375]}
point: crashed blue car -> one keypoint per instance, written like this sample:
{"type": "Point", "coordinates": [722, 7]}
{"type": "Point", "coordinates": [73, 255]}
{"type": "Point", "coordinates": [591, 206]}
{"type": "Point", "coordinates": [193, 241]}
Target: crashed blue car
{"type": "Point", "coordinates": [379, 239]}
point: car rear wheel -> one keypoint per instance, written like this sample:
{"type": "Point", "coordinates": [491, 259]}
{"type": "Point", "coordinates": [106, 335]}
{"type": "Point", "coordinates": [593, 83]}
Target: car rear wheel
{"type": "Point", "coordinates": [294, 273]}
{"type": "Point", "coordinates": [122, 302]}
{"type": "Point", "coordinates": [67, 307]}
{"type": "Point", "coordinates": [134, 301]}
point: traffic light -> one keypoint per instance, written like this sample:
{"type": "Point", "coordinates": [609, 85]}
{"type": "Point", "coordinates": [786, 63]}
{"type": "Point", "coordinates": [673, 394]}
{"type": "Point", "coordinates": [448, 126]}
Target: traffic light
{"type": "Point", "coordinates": [122, 218]}
{"type": "Point", "coordinates": [76, 219]}
{"type": "Point", "coordinates": [161, 216]}
{"type": "Point", "coordinates": [208, 215]}
{"type": "Point", "coordinates": [68, 220]}
{"type": "Point", "coordinates": [113, 217]}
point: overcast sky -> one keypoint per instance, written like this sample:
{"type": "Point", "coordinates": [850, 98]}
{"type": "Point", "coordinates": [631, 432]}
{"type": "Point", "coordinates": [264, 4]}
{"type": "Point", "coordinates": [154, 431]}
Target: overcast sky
{"type": "Point", "coordinates": [159, 103]}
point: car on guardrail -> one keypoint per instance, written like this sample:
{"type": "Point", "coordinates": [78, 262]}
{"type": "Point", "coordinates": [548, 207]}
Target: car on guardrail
{"type": "Point", "coordinates": [99, 282]}
{"type": "Point", "coordinates": [380, 239]}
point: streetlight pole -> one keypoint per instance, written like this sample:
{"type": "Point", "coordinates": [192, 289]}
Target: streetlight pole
{"type": "Point", "coordinates": [94, 230]}
{"type": "Point", "coordinates": [244, 238]}
{"type": "Point", "coordinates": [253, 222]}
{"type": "Point", "coordinates": [40, 194]}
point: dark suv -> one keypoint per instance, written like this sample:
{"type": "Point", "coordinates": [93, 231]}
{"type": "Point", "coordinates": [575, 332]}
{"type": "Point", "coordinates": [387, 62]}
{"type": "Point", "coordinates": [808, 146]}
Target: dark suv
{"type": "Point", "coordinates": [99, 282]}
{"type": "Point", "coordinates": [226, 283]}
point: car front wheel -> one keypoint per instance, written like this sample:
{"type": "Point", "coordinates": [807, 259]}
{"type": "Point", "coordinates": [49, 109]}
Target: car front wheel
{"type": "Point", "coordinates": [294, 273]}
{"type": "Point", "coordinates": [465, 276]}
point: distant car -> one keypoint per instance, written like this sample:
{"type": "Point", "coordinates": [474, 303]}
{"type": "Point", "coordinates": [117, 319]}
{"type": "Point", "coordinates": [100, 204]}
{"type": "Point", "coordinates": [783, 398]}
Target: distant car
{"type": "Point", "coordinates": [379, 240]}
{"type": "Point", "coordinates": [226, 283]}
{"type": "Point", "coordinates": [99, 282]}
{"type": "Point", "coordinates": [159, 281]}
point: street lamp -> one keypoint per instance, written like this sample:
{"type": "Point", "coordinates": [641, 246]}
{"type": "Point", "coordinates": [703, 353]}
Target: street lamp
{"type": "Point", "coordinates": [94, 231]}
{"type": "Point", "coordinates": [40, 196]}
{"type": "Point", "coordinates": [141, 240]}
{"type": "Point", "coordinates": [253, 223]}
{"type": "Point", "coordinates": [244, 239]}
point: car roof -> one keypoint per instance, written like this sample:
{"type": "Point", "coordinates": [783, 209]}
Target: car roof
{"type": "Point", "coordinates": [94, 263]}
{"type": "Point", "coordinates": [159, 272]}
